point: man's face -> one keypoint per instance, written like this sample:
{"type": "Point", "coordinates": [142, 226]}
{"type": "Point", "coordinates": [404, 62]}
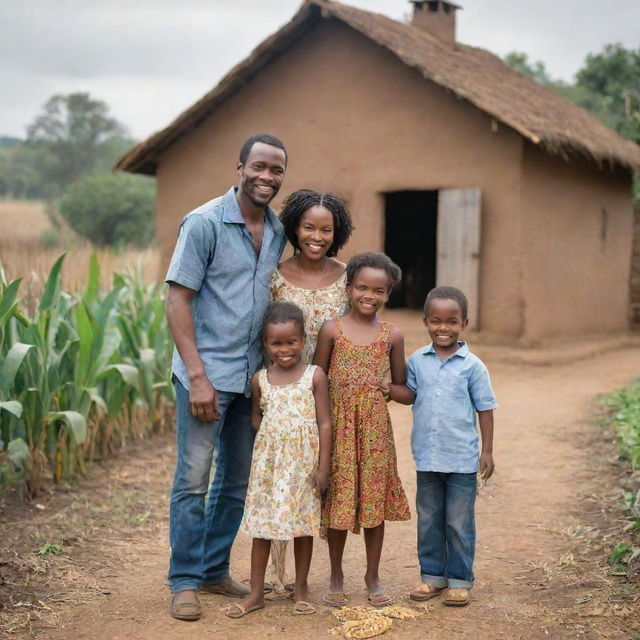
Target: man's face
{"type": "Point", "coordinates": [262, 174]}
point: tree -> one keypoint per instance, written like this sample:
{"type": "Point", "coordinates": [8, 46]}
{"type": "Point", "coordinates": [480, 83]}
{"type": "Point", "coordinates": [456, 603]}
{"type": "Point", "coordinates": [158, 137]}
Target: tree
{"type": "Point", "coordinates": [535, 70]}
{"type": "Point", "coordinates": [75, 129]}
{"type": "Point", "coordinates": [111, 209]}
{"type": "Point", "coordinates": [610, 81]}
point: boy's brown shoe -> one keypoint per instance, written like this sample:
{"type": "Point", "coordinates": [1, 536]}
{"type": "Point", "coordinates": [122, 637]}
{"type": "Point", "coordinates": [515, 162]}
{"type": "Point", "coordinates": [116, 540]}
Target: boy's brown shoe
{"type": "Point", "coordinates": [456, 597]}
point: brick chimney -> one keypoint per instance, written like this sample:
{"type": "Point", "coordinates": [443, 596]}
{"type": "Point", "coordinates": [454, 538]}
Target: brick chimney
{"type": "Point", "coordinates": [437, 17]}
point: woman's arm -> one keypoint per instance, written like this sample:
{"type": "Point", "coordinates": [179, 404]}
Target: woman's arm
{"type": "Point", "coordinates": [324, 346]}
{"type": "Point", "coordinates": [256, 411]}
{"type": "Point", "coordinates": [323, 418]}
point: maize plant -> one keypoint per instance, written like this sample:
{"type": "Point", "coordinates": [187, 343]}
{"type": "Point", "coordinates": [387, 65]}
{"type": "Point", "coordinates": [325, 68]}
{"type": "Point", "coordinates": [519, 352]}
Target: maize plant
{"type": "Point", "coordinates": [80, 378]}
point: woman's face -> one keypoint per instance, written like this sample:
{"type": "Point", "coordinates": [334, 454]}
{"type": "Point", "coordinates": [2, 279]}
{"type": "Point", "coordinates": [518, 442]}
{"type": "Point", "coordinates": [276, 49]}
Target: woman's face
{"type": "Point", "coordinates": [315, 232]}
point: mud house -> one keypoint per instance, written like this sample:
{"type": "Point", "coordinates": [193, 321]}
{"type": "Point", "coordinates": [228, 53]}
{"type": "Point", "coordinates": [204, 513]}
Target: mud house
{"type": "Point", "coordinates": [463, 170]}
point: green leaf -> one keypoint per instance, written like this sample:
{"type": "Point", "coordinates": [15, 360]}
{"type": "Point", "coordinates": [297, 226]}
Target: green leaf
{"type": "Point", "coordinates": [7, 301]}
{"type": "Point", "coordinates": [93, 282]}
{"type": "Point", "coordinates": [97, 399]}
{"type": "Point", "coordinates": [19, 453]}
{"type": "Point", "coordinates": [74, 420]}
{"type": "Point", "coordinates": [49, 294]}
{"type": "Point", "coordinates": [127, 372]}
{"type": "Point", "coordinates": [11, 406]}
{"type": "Point", "coordinates": [11, 364]}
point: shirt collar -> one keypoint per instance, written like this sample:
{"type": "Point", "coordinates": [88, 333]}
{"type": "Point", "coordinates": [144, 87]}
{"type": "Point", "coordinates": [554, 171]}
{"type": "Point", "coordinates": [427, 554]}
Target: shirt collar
{"type": "Point", "coordinates": [233, 214]}
{"type": "Point", "coordinates": [462, 352]}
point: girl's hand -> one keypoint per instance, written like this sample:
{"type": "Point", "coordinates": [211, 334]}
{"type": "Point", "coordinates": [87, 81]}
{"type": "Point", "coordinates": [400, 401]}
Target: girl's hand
{"type": "Point", "coordinates": [320, 480]}
{"type": "Point", "coordinates": [486, 466]}
{"type": "Point", "coordinates": [385, 390]}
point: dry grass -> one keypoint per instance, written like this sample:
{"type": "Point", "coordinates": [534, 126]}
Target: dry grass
{"type": "Point", "coordinates": [23, 254]}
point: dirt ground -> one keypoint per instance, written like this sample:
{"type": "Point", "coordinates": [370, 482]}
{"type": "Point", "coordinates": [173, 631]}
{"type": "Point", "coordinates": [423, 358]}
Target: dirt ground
{"type": "Point", "coordinates": [546, 523]}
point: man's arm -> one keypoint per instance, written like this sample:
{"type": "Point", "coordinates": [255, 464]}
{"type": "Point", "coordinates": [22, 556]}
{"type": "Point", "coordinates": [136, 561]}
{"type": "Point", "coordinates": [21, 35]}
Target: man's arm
{"type": "Point", "coordinates": [203, 398]}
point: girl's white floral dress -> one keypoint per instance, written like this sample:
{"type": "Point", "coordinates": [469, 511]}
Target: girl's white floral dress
{"type": "Point", "coordinates": [281, 502]}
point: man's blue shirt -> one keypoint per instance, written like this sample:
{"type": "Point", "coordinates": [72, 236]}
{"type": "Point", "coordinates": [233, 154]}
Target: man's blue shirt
{"type": "Point", "coordinates": [444, 437]}
{"type": "Point", "coordinates": [215, 257]}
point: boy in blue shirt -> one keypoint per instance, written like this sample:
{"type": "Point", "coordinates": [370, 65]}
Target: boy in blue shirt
{"type": "Point", "coordinates": [447, 386]}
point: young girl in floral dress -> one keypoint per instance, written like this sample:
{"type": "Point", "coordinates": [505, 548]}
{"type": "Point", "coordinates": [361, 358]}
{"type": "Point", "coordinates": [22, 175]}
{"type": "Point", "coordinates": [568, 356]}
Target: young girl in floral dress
{"type": "Point", "coordinates": [317, 225]}
{"type": "Point", "coordinates": [290, 465]}
{"type": "Point", "coordinates": [359, 352]}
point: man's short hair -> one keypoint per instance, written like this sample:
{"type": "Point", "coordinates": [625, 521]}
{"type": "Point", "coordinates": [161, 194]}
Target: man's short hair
{"type": "Point", "coordinates": [266, 138]}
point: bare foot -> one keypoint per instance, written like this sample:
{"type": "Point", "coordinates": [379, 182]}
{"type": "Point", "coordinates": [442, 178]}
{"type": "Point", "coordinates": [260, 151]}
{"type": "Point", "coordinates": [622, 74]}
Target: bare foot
{"type": "Point", "coordinates": [301, 592]}
{"type": "Point", "coordinates": [251, 601]}
{"type": "Point", "coordinates": [336, 583]}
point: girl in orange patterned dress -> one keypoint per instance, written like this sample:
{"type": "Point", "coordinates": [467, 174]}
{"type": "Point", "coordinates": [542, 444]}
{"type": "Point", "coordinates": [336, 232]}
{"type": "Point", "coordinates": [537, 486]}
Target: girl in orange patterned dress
{"type": "Point", "coordinates": [359, 352]}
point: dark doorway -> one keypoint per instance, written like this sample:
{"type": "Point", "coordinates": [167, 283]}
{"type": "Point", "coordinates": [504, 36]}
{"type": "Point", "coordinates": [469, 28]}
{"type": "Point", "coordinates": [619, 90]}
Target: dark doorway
{"type": "Point", "coordinates": [411, 223]}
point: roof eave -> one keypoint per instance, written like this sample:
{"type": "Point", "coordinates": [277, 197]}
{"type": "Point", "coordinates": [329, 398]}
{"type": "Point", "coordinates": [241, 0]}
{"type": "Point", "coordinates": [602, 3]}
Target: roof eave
{"type": "Point", "coordinates": [144, 157]}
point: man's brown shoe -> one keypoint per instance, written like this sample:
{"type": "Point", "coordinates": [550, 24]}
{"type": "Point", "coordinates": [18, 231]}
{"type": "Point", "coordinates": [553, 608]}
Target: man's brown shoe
{"type": "Point", "coordinates": [186, 610]}
{"type": "Point", "coordinates": [227, 587]}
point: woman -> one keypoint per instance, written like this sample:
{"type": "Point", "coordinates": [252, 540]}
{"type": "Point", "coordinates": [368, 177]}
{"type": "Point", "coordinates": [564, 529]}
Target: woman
{"type": "Point", "coordinates": [317, 226]}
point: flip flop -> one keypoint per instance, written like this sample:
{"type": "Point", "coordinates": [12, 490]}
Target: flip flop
{"type": "Point", "coordinates": [424, 592]}
{"type": "Point", "coordinates": [378, 598]}
{"type": "Point", "coordinates": [303, 608]}
{"type": "Point", "coordinates": [335, 599]}
{"type": "Point", "coordinates": [238, 611]}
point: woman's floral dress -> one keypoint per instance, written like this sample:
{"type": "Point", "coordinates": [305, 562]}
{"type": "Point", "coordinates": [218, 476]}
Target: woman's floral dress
{"type": "Point", "coordinates": [364, 487]}
{"type": "Point", "coordinates": [281, 503]}
{"type": "Point", "coordinates": [318, 305]}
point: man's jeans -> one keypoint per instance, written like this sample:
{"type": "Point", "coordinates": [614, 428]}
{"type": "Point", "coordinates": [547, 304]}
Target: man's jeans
{"type": "Point", "coordinates": [446, 528]}
{"type": "Point", "coordinates": [200, 537]}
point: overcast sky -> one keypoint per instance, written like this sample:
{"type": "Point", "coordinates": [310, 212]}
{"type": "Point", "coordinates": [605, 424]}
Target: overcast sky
{"type": "Point", "coordinates": [151, 59]}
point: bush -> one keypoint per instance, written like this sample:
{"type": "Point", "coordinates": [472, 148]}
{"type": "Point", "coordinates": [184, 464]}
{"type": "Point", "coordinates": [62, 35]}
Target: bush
{"type": "Point", "coordinates": [111, 209]}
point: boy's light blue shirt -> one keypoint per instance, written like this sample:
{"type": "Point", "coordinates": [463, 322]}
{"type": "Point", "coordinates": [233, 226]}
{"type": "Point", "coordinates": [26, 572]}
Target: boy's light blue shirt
{"type": "Point", "coordinates": [215, 257]}
{"type": "Point", "coordinates": [444, 437]}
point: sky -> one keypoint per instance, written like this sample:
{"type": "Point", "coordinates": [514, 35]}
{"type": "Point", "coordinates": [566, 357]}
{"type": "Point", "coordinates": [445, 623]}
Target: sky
{"type": "Point", "coordinates": [151, 59]}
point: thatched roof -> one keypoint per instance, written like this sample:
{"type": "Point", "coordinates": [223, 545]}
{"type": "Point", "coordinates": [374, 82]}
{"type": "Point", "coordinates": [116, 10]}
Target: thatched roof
{"type": "Point", "coordinates": [536, 113]}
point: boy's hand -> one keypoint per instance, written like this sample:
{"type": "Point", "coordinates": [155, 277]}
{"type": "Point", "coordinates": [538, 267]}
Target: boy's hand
{"type": "Point", "coordinates": [486, 466]}
{"type": "Point", "coordinates": [320, 480]}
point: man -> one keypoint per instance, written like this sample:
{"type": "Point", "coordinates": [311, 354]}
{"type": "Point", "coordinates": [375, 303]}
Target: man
{"type": "Point", "coordinates": [218, 280]}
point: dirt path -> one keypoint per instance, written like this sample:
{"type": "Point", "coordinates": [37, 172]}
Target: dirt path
{"type": "Point", "coordinates": [536, 538]}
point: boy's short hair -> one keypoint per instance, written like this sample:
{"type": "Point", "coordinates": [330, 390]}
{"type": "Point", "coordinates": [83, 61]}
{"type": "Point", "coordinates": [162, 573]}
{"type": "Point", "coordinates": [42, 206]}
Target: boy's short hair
{"type": "Point", "coordinates": [280, 312]}
{"type": "Point", "coordinates": [374, 260]}
{"type": "Point", "coordinates": [447, 293]}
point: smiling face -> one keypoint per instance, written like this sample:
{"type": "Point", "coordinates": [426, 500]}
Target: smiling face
{"type": "Point", "coordinates": [315, 232]}
{"type": "Point", "coordinates": [284, 342]}
{"type": "Point", "coordinates": [262, 174]}
{"type": "Point", "coordinates": [444, 323]}
{"type": "Point", "coordinates": [369, 290]}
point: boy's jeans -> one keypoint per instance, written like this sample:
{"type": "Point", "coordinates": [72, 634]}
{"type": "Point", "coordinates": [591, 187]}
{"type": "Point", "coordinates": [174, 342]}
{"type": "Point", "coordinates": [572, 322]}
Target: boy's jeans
{"type": "Point", "coordinates": [201, 538]}
{"type": "Point", "coordinates": [446, 528]}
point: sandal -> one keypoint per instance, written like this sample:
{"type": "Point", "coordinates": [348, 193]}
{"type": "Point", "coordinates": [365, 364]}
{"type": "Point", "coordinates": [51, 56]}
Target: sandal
{"type": "Point", "coordinates": [238, 611]}
{"type": "Point", "coordinates": [425, 592]}
{"type": "Point", "coordinates": [378, 598]}
{"type": "Point", "coordinates": [335, 598]}
{"type": "Point", "coordinates": [303, 608]}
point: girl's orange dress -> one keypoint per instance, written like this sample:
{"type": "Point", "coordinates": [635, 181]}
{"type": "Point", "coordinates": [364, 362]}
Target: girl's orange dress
{"type": "Point", "coordinates": [364, 487]}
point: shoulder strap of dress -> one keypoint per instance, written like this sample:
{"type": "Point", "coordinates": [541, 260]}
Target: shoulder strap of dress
{"type": "Point", "coordinates": [307, 376]}
{"type": "Point", "coordinates": [263, 381]}
{"type": "Point", "coordinates": [384, 331]}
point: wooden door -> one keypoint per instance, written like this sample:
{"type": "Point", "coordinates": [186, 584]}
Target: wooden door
{"type": "Point", "coordinates": [458, 258]}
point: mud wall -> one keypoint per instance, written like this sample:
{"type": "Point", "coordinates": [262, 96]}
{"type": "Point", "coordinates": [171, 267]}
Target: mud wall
{"type": "Point", "coordinates": [578, 223]}
{"type": "Point", "coordinates": [358, 122]}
